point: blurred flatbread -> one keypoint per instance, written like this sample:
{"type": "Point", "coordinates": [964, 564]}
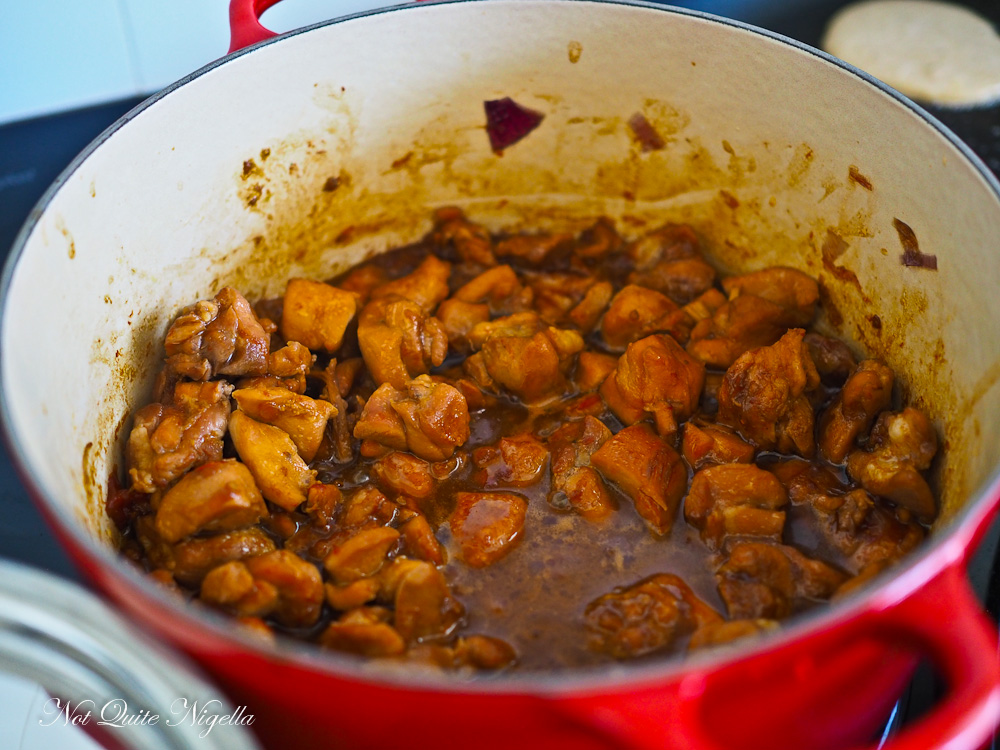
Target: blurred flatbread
{"type": "Point", "coordinates": [934, 51]}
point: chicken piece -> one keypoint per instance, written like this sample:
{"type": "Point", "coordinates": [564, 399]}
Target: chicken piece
{"type": "Point", "coordinates": [634, 313]}
{"type": "Point", "coordinates": [302, 418]}
{"type": "Point", "coordinates": [647, 470]}
{"type": "Point", "coordinates": [361, 555]}
{"type": "Point", "coordinates": [500, 289]}
{"type": "Point", "coordinates": [588, 310]}
{"type": "Point", "coordinates": [351, 595]}
{"type": "Point", "coordinates": [556, 294]}
{"type": "Point", "coordinates": [655, 376]}
{"type": "Point", "coordinates": [483, 652]}
{"type": "Point", "coordinates": [277, 468]}
{"type": "Point", "coordinates": [316, 314]}
{"type": "Point", "coordinates": [669, 242]}
{"type": "Point", "coordinates": [592, 369]}
{"type": "Point", "coordinates": [682, 280]}
{"type": "Point", "coordinates": [216, 496]}
{"type": "Point", "coordinates": [424, 608]}
{"type": "Point", "coordinates": [298, 583]}
{"type": "Point", "coordinates": [404, 474]}
{"type": "Point", "coordinates": [429, 419]}
{"type": "Point", "coordinates": [471, 242]}
{"type": "Point", "coordinates": [736, 327]}
{"type": "Point", "coordinates": [322, 501]}
{"type": "Point", "coordinates": [833, 358]}
{"type": "Point", "coordinates": [735, 500]}
{"type": "Point", "coordinates": [188, 561]}
{"type": "Point", "coordinates": [720, 633]}
{"type": "Point", "coordinates": [399, 340]}
{"type": "Point", "coordinates": [364, 631]}
{"type": "Point", "coordinates": [706, 444]}
{"type": "Point", "coordinates": [168, 440]}
{"type": "Point", "coordinates": [366, 507]}
{"type": "Point", "coordinates": [217, 337]}
{"type": "Point", "coordinates": [427, 285]}
{"type": "Point", "coordinates": [525, 356]}
{"type": "Point", "coordinates": [645, 617]}
{"type": "Point", "coordinates": [420, 542]}
{"type": "Point", "coordinates": [362, 281]}
{"type": "Point", "coordinates": [457, 318]}
{"type": "Point", "coordinates": [763, 396]}
{"type": "Point", "coordinates": [793, 290]}
{"type": "Point", "coordinates": [864, 531]}
{"type": "Point", "coordinates": [533, 249]}
{"type": "Point", "coordinates": [487, 525]}
{"type": "Point", "coordinates": [286, 367]}
{"type": "Point", "coordinates": [572, 446]}
{"type": "Point", "coordinates": [867, 392]}
{"type": "Point", "coordinates": [516, 461]}
{"type": "Point", "coordinates": [598, 241]}
{"type": "Point", "coordinates": [772, 581]}
{"type": "Point", "coordinates": [902, 444]}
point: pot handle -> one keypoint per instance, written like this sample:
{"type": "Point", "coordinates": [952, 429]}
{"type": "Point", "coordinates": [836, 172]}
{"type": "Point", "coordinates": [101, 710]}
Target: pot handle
{"type": "Point", "coordinates": [942, 620]}
{"type": "Point", "coordinates": [244, 22]}
{"type": "Point", "coordinates": [945, 621]}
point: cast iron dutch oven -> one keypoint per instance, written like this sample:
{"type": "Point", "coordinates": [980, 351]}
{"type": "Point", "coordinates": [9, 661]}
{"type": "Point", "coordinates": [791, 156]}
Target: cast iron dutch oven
{"type": "Point", "coordinates": [219, 180]}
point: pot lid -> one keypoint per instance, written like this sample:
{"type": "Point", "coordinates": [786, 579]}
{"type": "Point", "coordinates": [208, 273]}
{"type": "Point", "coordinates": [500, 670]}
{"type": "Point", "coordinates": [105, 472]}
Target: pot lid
{"type": "Point", "coordinates": [90, 673]}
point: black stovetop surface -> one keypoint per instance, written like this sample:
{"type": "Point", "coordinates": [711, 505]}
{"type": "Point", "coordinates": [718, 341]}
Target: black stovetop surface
{"type": "Point", "coordinates": [34, 152]}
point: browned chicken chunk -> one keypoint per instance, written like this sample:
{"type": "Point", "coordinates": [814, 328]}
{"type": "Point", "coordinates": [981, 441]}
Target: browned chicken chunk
{"type": "Point", "coordinates": [405, 474]}
{"type": "Point", "coordinates": [361, 555]}
{"type": "Point", "coordinates": [516, 461]}
{"type": "Point", "coordinates": [279, 584]}
{"type": "Point", "coordinates": [399, 340]}
{"type": "Point", "coordinates": [736, 500]}
{"type": "Point", "coordinates": [738, 326]}
{"type": "Point", "coordinates": [572, 446]}
{"type": "Point", "coordinates": [364, 631]}
{"type": "Point", "coordinates": [533, 249]}
{"type": "Point", "coordinates": [833, 358]}
{"type": "Point", "coordinates": [763, 396]}
{"type": "Point", "coordinates": [317, 314]}
{"type": "Point", "coordinates": [772, 581]}
{"type": "Point", "coordinates": [635, 312]}
{"type": "Point", "coordinates": [487, 525]}
{"type": "Point", "coordinates": [706, 443]}
{"type": "Point", "coordinates": [427, 285]}
{"type": "Point", "coordinates": [648, 470]}
{"type": "Point", "coordinates": [217, 337]}
{"type": "Point", "coordinates": [902, 444]}
{"type": "Point", "coordinates": [429, 419]}
{"type": "Point", "coordinates": [867, 392]}
{"type": "Point", "coordinates": [170, 439]}
{"type": "Point", "coordinates": [216, 496]}
{"type": "Point", "coordinates": [793, 290]}
{"type": "Point", "coordinates": [655, 376]}
{"type": "Point", "coordinates": [458, 318]}
{"type": "Point", "coordinates": [270, 454]}
{"type": "Point", "coordinates": [646, 617]}
{"type": "Point", "coordinates": [471, 242]}
{"type": "Point", "coordinates": [525, 356]}
{"type": "Point", "coordinates": [669, 242]}
{"type": "Point", "coordinates": [499, 289]}
{"type": "Point", "coordinates": [682, 280]}
{"type": "Point", "coordinates": [302, 418]}
{"type": "Point", "coordinates": [424, 607]}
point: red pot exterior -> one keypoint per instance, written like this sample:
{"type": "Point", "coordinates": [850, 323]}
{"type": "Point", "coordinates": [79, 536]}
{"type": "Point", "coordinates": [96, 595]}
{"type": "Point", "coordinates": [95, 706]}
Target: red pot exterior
{"type": "Point", "coordinates": [832, 687]}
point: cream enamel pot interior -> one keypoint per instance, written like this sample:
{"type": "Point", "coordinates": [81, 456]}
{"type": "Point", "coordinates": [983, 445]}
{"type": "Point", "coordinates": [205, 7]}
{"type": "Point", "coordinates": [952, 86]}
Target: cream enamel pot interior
{"type": "Point", "coordinates": [219, 180]}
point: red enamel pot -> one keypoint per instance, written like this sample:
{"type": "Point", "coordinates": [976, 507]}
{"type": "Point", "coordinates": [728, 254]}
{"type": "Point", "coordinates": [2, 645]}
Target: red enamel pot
{"type": "Point", "coordinates": [220, 180]}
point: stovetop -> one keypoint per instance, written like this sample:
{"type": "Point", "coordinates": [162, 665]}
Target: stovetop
{"type": "Point", "coordinates": [34, 152]}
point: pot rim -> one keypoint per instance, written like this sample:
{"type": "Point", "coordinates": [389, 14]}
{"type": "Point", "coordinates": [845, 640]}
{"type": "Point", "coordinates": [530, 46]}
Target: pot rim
{"type": "Point", "coordinates": [946, 547]}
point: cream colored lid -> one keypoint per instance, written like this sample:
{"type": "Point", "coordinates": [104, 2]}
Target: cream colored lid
{"type": "Point", "coordinates": [934, 51]}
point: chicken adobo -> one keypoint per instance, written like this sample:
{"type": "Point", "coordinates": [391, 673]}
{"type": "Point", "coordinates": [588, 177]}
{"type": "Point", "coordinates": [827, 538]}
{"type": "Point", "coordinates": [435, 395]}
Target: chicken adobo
{"type": "Point", "coordinates": [534, 450]}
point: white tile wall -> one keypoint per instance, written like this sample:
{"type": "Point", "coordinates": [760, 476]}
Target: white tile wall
{"type": "Point", "coordinates": [61, 54]}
